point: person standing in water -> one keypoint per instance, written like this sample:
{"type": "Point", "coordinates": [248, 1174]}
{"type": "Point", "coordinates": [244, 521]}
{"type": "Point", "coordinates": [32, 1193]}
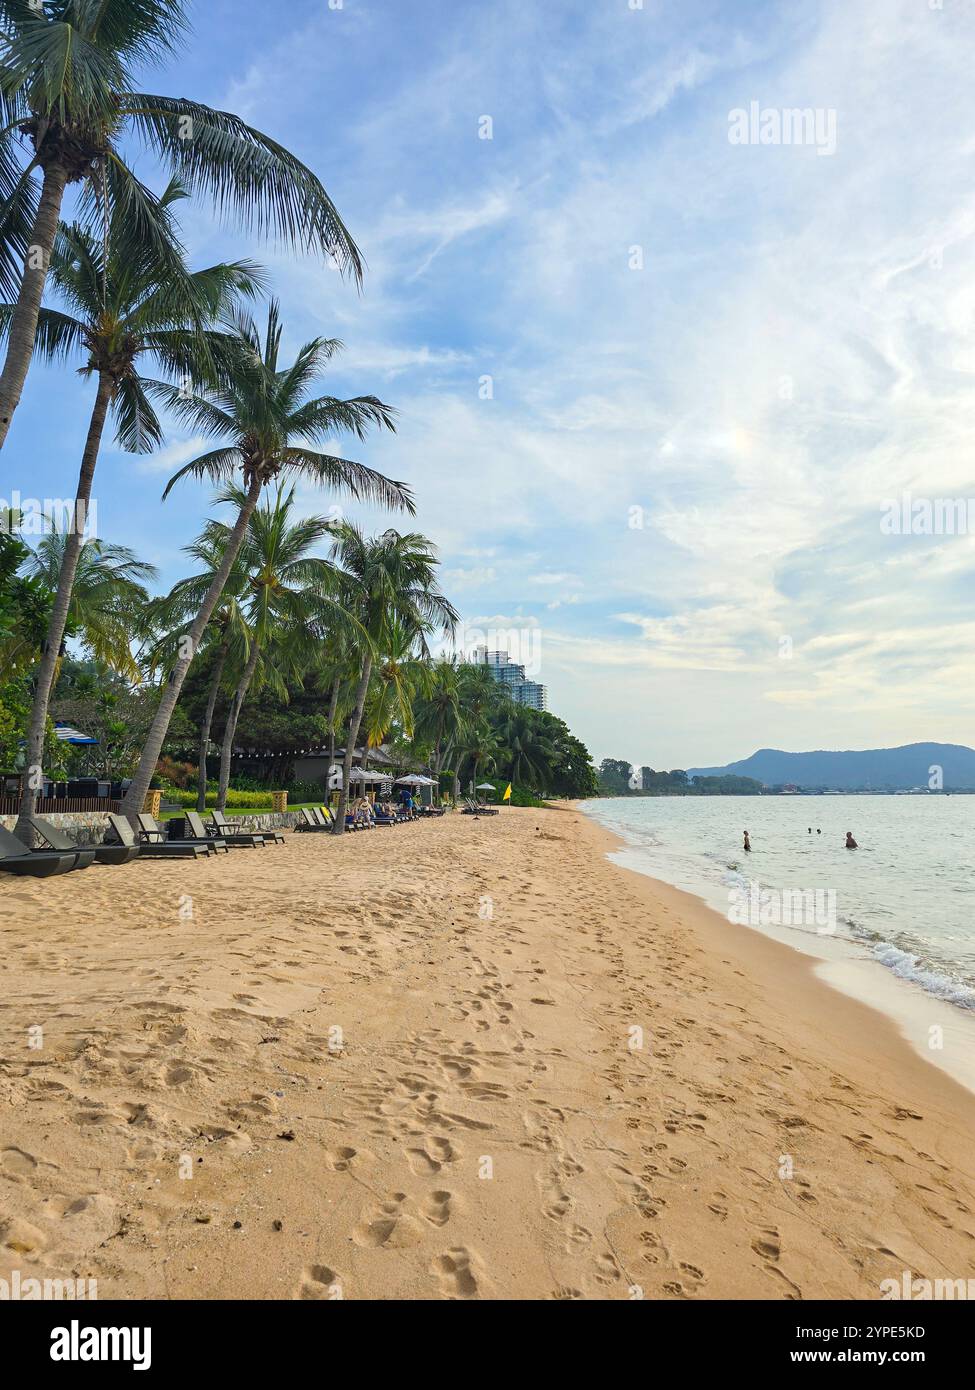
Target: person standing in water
{"type": "Point", "coordinates": [850, 842]}
{"type": "Point", "coordinates": [747, 845]}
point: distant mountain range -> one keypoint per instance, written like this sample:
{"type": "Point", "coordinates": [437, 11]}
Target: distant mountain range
{"type": "Point", "coordinates": [885, 769]}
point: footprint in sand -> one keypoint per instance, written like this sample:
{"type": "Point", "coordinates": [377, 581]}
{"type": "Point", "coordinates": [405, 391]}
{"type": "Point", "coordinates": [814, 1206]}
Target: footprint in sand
{"type": "Point", "coordinates": [456, 1273]}
{"type": "Point", "coordinates": [319, 1282]}
{"type": "Point", "coordinates": [386, 1227]}
{"type": "Point", "coordinates": [436, 1208]}
{"type": "Point", "coordinates": [17, 1161]}
{"type": "Point", "coordinates": [342, 1158]}
{"type": "Point", "coordinates": [431, 1158]}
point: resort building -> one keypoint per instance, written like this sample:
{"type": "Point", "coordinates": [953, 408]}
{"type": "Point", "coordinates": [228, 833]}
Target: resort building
{"type": "Point", "coordinates": [512, 675]}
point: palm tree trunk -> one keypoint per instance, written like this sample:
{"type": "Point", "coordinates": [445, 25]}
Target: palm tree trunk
{"type": "Point", "coordinates": [333, 708]}
{"type": "Point", "coordinates": [135, 796]}
{"type": "Point", "coordinates": [23, 322]}
{"type": "Point", "coordinates": [205, 727]}
{"type": "Point", "coordinates": [354, 722]}
{"type": "Point", "coordinates": [51, 650]}
{"type": "Point", "coordinates": [233, 714]}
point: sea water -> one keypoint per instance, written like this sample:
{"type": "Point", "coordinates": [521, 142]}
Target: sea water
{"type": "Point", "coordinates": [905, 897]}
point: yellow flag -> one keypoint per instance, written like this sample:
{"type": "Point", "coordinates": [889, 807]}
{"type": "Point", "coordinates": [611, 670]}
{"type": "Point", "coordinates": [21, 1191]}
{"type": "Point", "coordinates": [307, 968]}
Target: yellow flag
{"type": "Point", "coordinates": [507, 793]}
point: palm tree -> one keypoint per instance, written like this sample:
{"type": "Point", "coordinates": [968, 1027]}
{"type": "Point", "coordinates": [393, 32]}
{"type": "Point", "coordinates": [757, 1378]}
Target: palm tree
{"type": "Point", "coordinates": [66, 90]}
{"type": "Point", "coordinates": [481, 748]}
{"type": "Point", "coordinates": [25, 605]}
{"type": "Point", "coordinates": [530, 753]}
{"type": "Point", "coordinates": [440, 711]}
{"type": "Point", "coordinates": [399, 675]}
{"type": "Point", "coordinates": [107, 591]}
{"type": "Point", "coordinates": [121, 303]}
{"type": "Point", "coordinates": [392, 581]}
{"type": "Point", "coordinates": [265, 418]}
{"type": "Point", "coordinates": [226, 633]}
{"type": "Point", "coordinates": [484, 702]}
{"type": "Point", "coordinates": [337, 674]}
{"type": "Point", "coordinates": [288, 588]}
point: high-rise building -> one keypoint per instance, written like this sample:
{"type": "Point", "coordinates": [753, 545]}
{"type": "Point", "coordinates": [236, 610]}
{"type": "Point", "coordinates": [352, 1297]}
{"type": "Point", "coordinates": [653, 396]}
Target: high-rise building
{"type": "Point", "coordinates": [512, 675]}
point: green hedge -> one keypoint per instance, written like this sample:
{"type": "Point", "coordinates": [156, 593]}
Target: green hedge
{"type": "Point", "coordinates": [253, 800]}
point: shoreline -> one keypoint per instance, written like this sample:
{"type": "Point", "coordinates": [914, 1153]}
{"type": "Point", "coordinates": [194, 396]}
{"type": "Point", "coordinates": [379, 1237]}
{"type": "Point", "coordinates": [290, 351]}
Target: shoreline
{"type": "Point", "coordinates": [845, 966]}
{"type": "Point", "coordinates": [401, 1066]}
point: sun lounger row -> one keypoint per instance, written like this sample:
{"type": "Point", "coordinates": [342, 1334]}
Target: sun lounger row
{"type": "Point", "coordinates": [58, 853]}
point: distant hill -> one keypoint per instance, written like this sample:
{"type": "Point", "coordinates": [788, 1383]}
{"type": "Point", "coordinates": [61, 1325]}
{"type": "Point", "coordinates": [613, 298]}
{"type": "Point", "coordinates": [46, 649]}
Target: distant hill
{"type": "Point", "coordinates": [886, 769]}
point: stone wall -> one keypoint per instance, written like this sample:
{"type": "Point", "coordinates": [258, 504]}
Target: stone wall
{"type": "Point", "coordinates": [88, 827]}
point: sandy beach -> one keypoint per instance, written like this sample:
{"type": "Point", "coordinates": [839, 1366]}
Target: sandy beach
{"type": "Point", "coordinates": [402, 1066]}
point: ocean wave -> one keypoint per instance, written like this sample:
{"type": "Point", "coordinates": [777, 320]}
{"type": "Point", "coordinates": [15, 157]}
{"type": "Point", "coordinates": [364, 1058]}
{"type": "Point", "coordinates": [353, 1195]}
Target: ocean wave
{"type": "Point", "coordinates": [910, 967]}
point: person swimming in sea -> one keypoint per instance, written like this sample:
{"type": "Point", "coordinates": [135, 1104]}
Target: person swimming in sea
{"type": "Point", "coordinates": [747, 845]}
{"type": "Point", "coordinates": [850, 842]}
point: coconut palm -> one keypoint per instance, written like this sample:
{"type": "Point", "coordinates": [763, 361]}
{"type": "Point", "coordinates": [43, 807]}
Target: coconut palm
{"type": "Point", "coordinates": [530, 752]}
{"type": "Point", "coordinates": [266, 420]}
{"type": "Point", "coordinates": [121, 303]}
{"type": "Point", "coordinates": [392, 583]}
{"type": "Point", "coordinates": [107, 592]}
{"type": "Point", "coordinates": [484, 702]}
{"type": "Point", "coordinates": [338, 674]}
{"type": "Point", "coordinates": [288, 587]}
{"type": "Point", "coordinates": [400, 674]}
{"type": "Point", "coordinates": [226, 634]}
{"type": "Point", "coordinates": [480, 751]}
{"type": "Point", "coordinates": [440, 710]}
{"type": "Point", "coordinates": [25, 605]}
{"type": "Point", "coordinates": [67, 93]}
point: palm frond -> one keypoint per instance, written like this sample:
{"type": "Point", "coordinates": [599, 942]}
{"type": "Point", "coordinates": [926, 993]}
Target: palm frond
{"type": "Point", "coordinates": [245, 174]}
{"type": "Point", "coordinates": [345, 475]}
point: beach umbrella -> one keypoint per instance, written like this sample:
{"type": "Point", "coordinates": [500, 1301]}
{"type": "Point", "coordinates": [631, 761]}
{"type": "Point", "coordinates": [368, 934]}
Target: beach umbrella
{"type": "Point", "coordinates": [484, 787]}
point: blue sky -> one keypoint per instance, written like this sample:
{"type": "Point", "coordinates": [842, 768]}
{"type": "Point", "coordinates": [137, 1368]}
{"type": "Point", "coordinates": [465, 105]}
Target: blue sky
{"type": "Point", "coordinates": [711, 363]}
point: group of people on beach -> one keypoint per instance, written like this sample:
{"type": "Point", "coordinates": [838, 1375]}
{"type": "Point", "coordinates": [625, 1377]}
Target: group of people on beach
{"type": "Point", "coordinates": [850, 842]}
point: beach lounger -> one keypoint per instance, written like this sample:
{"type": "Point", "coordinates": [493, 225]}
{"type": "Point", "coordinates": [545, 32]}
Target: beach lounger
{"type": "Point", "coordinates": [104, 854]}
{"type": "Point", "coordinates": [475, 808]}
{"type": "Point", "coordinates": [309, 824]}
{"type": "Point", "coordinates": [153, 848]}
{"type": "Point", "coordinates": [195, 821]}
{"type": "Point", "coordinates": [17, 858]}
{"type": "Point", "coordinates": [325, 820]}
{"type": "Point", "coordinates": [231, 830]}
{"type": "Point", "coordinates": [154, 838]}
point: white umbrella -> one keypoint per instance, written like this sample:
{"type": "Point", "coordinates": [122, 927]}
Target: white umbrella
{"type": "Point", "coordinates": [411, 780]}
{"type": "Point", "coordinates": [484, 787]}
